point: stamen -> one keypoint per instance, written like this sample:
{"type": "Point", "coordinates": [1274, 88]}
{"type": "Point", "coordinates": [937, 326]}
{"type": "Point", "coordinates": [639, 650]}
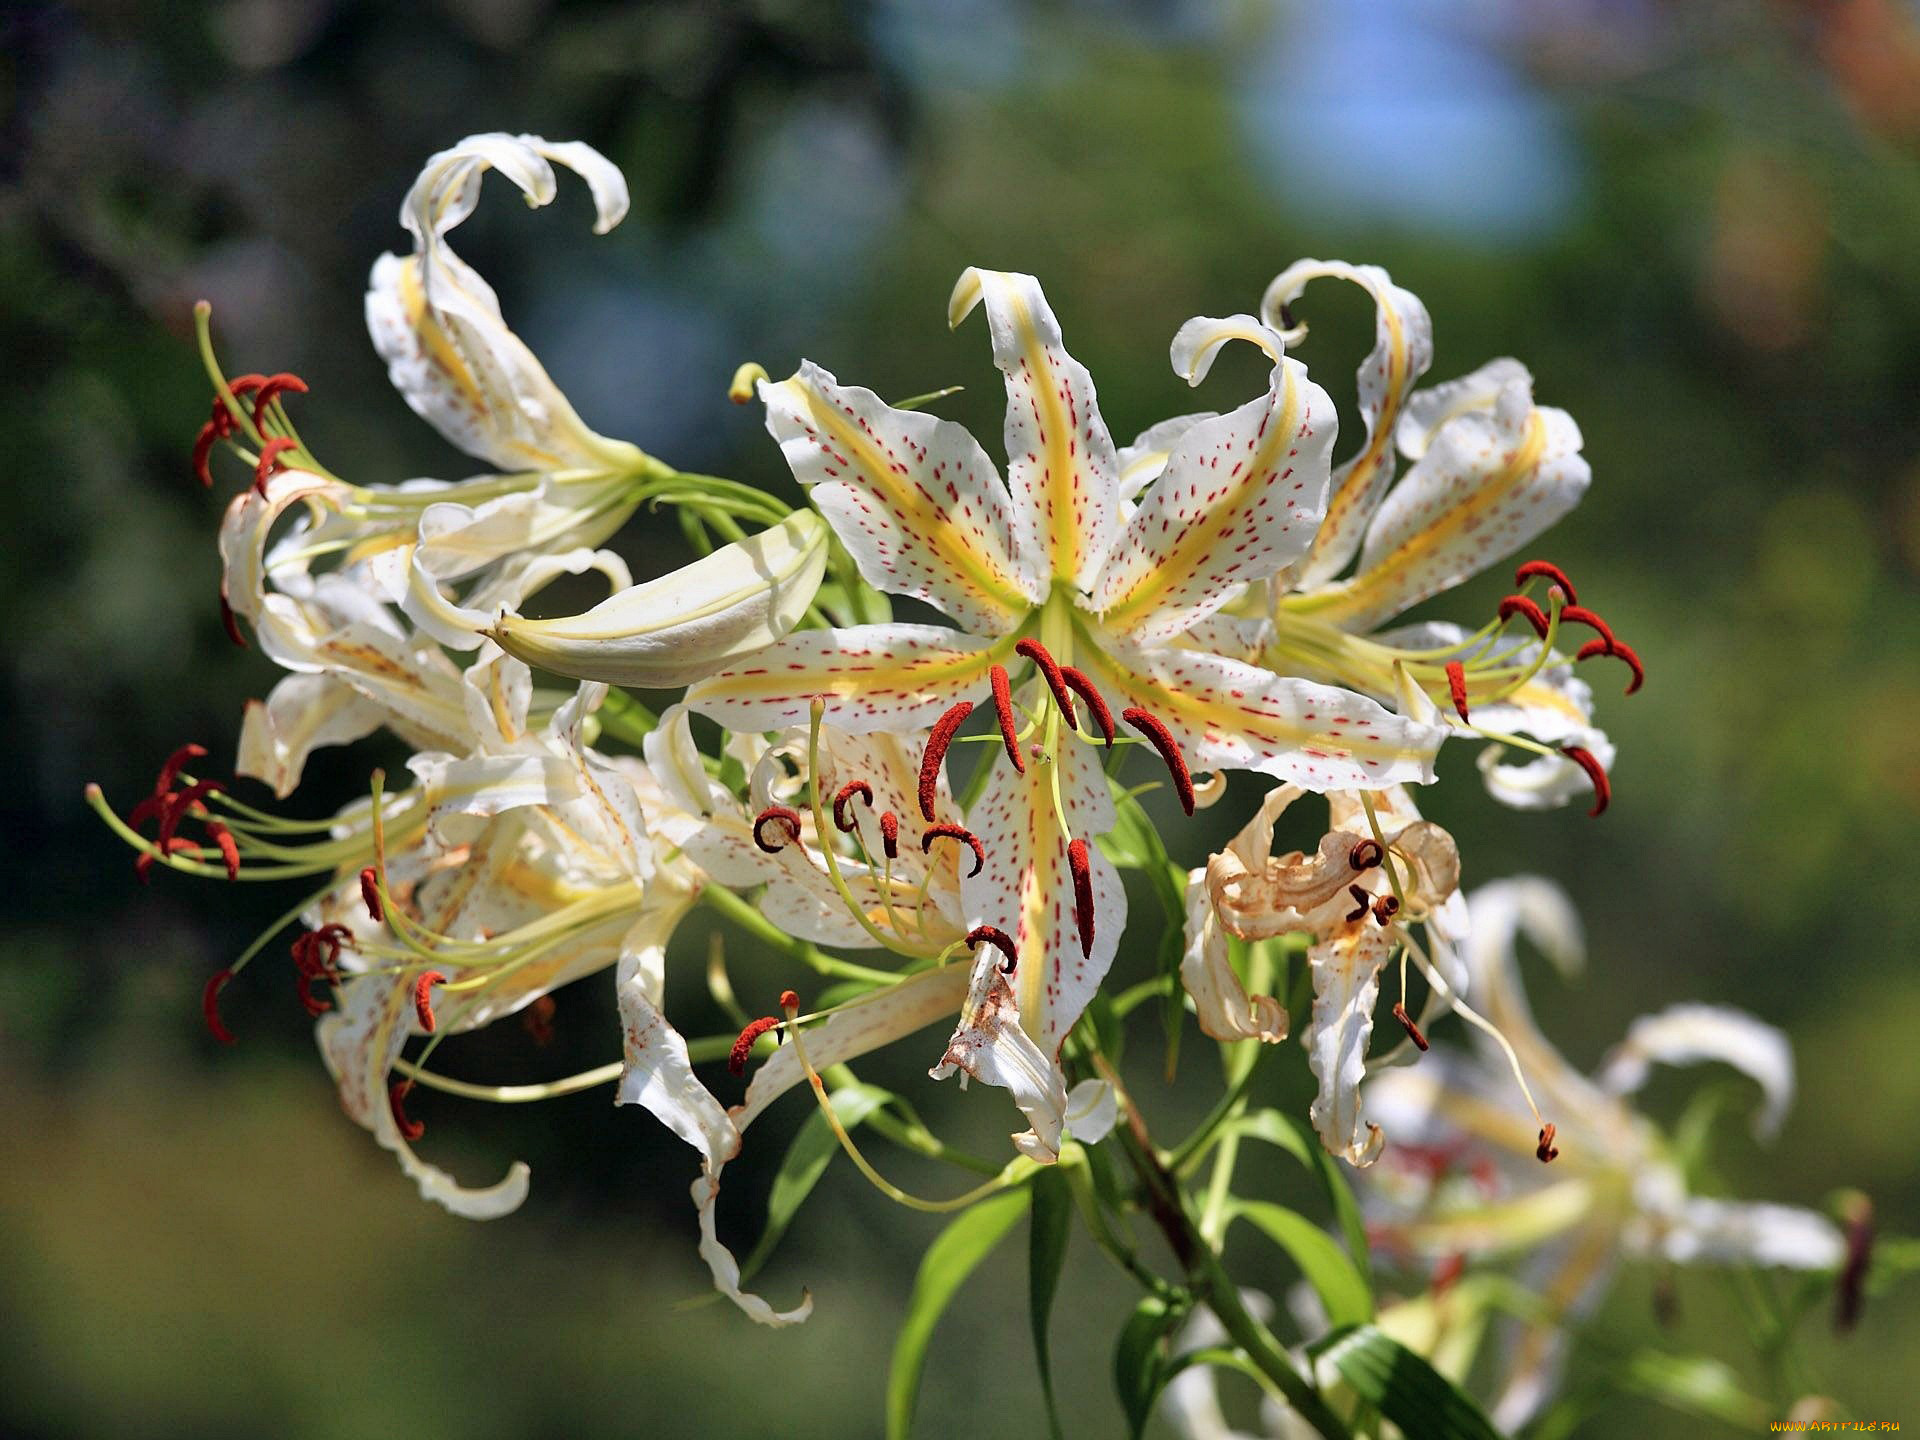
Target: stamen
{"type": "Point", "coordinates": [1407, 1024]}
{"type": "Point", "coordinates": [1546, 1150]}
{"type": "Point", "coordinates": [1602, 788]}
{"type": "Point", "coordinates": [993, 935]}
{"type": "Point", "coordinates": [308, 967]}
{"type": "Point", "coordinates": [947, 831]}
{"type": "Point", "coordinates": [890, 835]}
{"type": "Point", "coordinates": [737, 1057]}
{"type": "Point", "coordinates": [143, 862]}
{"type": "Point", "coordinates": [1162, 740]}
{"type": "Point", "coordinates": [175, 763]}
{"type": "Point", "coordinates": [269, 460]}
{"type": "Point", "coordinates": [789, 1000]}
{"type": "Point", "coordinates": [182, 805]}
{"type": "Point", "coordinates": [370, 896]}
{"type": "Point", "coordinates": [210, 1006]}
{"type": "Point", "coordinates": [423, 998]}
{"type": "Point", "coordinates": [537, 1020]}
{"type": "Point", "coordinates": [396, 1102]}
{"type": "Point", "coordinates": [787, 816]}
{"type": "Point", "coordinates": [1552, 571]}
{"type": "Point", "coordinates": [1003, 707]}
{"type": "Point", "coordinates": [1384, 909]}
{"type": "Point", "coordinates": [1054, 676]}
{"type": "Point", "coordinates": [229, 849]}
{"type": "Point", "coordinates": [273, 387]}
{"type": "Point", "coordinates": [847, 792]}
{"type": "Point", "coordinates": [1082, 893]}
{"type": "Point", "coordinates": [938, 739]}
{"type": "Point", "coordinates": [1078, 682]}
{"type": "Point", "coordinates": [1620, 650]}
{"type": "Point", "coordinates": [1362, 902]}
{"type": "Point", "coordinates": [229, 620]}
{"type": "Point", "coordinates": [1580, 615]}
{"type": "Point", "coordinates": [1457, 687]}
{"type": "Point", "coordinates": [203, 443]}
{"type": "Point", "coordinates": [1521, 605]}
{"type": "Point", "coordinates": [1366, 854]}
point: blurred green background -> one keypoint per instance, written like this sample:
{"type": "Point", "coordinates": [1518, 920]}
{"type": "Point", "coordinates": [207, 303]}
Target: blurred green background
{"type": "Point", "coordinates": [1696, 222]}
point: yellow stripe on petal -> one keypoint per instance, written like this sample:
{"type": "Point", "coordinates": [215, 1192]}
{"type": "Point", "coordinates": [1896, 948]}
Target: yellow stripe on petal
{"type": "Point", "coordinates": [1060, 457]}
{"type": "Point", "coordinates": [874, 677]}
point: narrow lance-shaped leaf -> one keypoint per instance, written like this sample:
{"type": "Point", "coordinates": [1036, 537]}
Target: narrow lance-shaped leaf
{"type": "Point", "coordinates": [1140, 1370]}
{"type": "Point", "coordinates": [806, 1161]}
{"type": "Point", "coordinates": [1292, 1136]}
{"type": "Point", "coordinates": [1322, 1262]}
{"type": "Point", "coordinates": [1047, 1254]}
{"type": "Point", "coordinates": [948, 1261]}
{"type": "Point", "coordinates": [1402, 1386]}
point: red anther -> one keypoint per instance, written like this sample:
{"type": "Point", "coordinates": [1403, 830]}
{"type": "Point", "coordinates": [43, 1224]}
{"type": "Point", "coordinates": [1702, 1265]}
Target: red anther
{"type": "Point", "coordinates": [308, 967]}
{"type": "Point", "coordinates": [1366, 854]}
{"type": "Point", "coordinates": [1602, 789]}
{"type": "Point", "coordinates": [1448, 1272]}
{"type": "Point", "coordinates": [890, 835]}
{"type": "Point", "coordinates": [1362, 902]}
{"type": "Point", "coordinates": [143, 863]}
{"type": "Point", "coordinates": [1082, 893]}
{"type": "Point", "coordinates": [1407, 1024]}
{"type": "Point", "coordinates": [179, 806]}
{"type": "Point", "coordinates": [537, 1020]}
{"type": "Point", "coordinates": [1003, 707]}
{"type": "Point", "coordinates": [789, 1000]}
{"type": "Point", "coordinates": [229, 850]}
{"type": "Point", "coordinates": [993, 935]}
{"type": "Point", "coordinates": [1457, 687]}
{"type": "Point", "coordinates": [423, 998]}
{"type": "Point", "coordinates": [847, 792]}
{"type": "Point", "coordinates": [229, 620]}
{"type": "Point", "coordinates": [1546, 1149]}
{"type": "Point", "coordinates": [1580, 615]}
{"type": "Point", "coordinates": [273, 387]}
{"type": "Point", "coordinates": [210, 1005]}
{"type": "Point", "coordinates": [240, 385]}
{"type": "Point", "coordinates": [1055, 677]}
{"type": "Point", "coordinates": [787, 816]}
{"type": "Point", "coordinates": [175, 763]}
{"type": "Point", "coordinates": [370, 896]}
{"type": "Point", "coordinates": [947, 831]}
{"type": "Point", "coordinates": [1384, 909]}
{"type": "Point", "coordinates": [737, 1057]}
{"type": "Point", "coordinates": [396, 1102]}
{"type": "Point", "coordinates": [938, 739]}
{"type": "Point", "coordinates": [1620, 650]}
{"type": "Point", "coordinates": [1078, 682]}
{"type": "Point", "coordinates": [1162, 739]}
{"type": "Point", "coordinates": [1552, 571]}
{"type": "Point", "coordinates": [203, 443]}
{"type": "Point", "coordinates": [1521, 605]}
{"type": "Point", "coordinates": [269, 460]}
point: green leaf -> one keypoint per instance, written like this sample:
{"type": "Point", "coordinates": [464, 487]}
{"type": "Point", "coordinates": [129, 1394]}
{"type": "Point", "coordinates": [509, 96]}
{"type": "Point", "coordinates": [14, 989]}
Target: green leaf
{"type": "Point", "coordinates": [807, 1158]}
{"type": "Point", "coordinates": [1047, 1254]}
{"type": "Point", "coordinates": [1297, 1138]}
{"type": "Point", "coordinates": [1695, 1385]}
{"type": "Point", "coordinates": [1403, 1387]}
{"type": "Point", "coordinates": [948, 1261]}
{"type": "Point", "coordinates": [1140, 1368]}
{"type": "Point", "coordinates": [1319, 1256]}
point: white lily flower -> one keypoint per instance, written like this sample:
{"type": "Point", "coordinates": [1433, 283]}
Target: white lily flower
{"type": "Point", "coordinates": [1046, 572]}
{"type": "Point", "coordinates": [1379, 870]}
{"type": "Point", "coordinates": [1489, 471]}
{"type": "Point", "coordinates": [1464, 1184]}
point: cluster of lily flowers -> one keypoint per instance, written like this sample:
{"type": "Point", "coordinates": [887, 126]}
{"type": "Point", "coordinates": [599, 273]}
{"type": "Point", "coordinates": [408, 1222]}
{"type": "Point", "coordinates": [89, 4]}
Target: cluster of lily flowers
{"type": "Point", "coordinates": [1218, 595]}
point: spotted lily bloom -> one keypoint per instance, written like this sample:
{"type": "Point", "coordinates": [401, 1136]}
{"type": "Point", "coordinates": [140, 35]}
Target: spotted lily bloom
{"type": "Point", "coordinates": [1378, 871]}
{"type": "Point", "coordinates": [1488, 472]}
{"type": "Point", "coordinates": [1061, 603]}
{"type": "Point", "coordinates": [1460, 1181]}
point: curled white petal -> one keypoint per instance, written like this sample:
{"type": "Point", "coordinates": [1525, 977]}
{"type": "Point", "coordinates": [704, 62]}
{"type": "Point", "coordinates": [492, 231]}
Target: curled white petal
{"type": "Point", "coordinates": [1686, 1034]}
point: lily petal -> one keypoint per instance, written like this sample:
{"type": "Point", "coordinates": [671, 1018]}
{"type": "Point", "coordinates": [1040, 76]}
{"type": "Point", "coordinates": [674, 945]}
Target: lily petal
{"type": "Point", "coordinates": [438, 325]}
{"type": "Point", "coordinates": [1490, 480]}
{"type": "Point", "coordinates": [1220, 1002]}
{"type": "Point", "coordinates": [1402, 351]}
{"type": "Point", "coordinates": [1544, 782]}
{"type": "Point", "coordinates": [301, 714]}
{"type": "Point", "coordinates": [913, 497]}
{"type": "Point", "coordinates": [874, 677]}
{"type": "Point", "coordinates": [1026, 887]}
{"type": "Point", "coordinates": [1346, 983]}
{"type": "Point", "coordinates": [1230, 715]}
{"type": "Point", "coordinates": [681, 626]}
{"type": "Point", "coordinates": [1734, 1233]}
{"type": "Point", "coordinates": [1687, 1034]}
{"type": "Point", "coordinates": [1142, 462]}
{"type": "Point", "coordinates": [1060, 458]}
{"type": "Point", "coordinates": [991, 1045]}
{"type": "Point", "coordinates": [1239, 500]}
{"type": "Point", "coordinates": [658, 1074]}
